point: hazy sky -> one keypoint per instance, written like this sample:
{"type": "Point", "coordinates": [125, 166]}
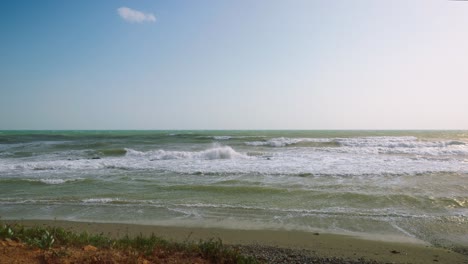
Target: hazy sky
{"type": "Point", "coordinates": [234, 64]}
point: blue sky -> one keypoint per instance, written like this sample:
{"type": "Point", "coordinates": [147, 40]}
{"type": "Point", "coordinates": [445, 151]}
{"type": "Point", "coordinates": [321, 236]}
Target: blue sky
{"type": "Point", "coordinates": [234, 64]}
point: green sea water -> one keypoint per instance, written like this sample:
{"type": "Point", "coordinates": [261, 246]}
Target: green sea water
{"type": "Point", "coordinates": [391, 184]}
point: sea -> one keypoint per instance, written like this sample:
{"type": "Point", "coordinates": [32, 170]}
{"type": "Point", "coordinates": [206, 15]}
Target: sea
{"type": "Point", "coordinates": [389, 185]}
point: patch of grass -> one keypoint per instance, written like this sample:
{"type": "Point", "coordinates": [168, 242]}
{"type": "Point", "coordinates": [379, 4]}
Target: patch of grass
{"type": "Point", "coordinates": [48, 238]}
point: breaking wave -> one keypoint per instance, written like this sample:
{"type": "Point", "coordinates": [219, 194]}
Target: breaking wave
{"type": "Point", "coordinates": [373, 145]}
{"type": "Point", "coordinates": [57, 181]}
{"type": "Point", "coordinates": [52, 181]}
{"type": "Point", "coordinates": [217, 152]}
{"type": "Point", "coordinates": [282, 141]}
{"type": "Point", "coordinates": [222, 137]}
{"type": "Point", "coordinates": [99, 200]}
{"type": "Point", "coordinates": [402, 145]}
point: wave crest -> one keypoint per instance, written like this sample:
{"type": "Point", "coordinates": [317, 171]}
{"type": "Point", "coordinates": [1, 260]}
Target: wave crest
{"type": "Point", "coordinates": [214, 153]}
{"type": "Point", "coordinates": [403, 145]}
{"type": "Point", "coordinates": [283, 141]}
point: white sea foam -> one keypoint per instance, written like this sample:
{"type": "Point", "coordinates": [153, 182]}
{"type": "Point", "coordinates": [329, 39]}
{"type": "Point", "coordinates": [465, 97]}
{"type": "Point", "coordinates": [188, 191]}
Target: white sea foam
{"type": "Point", "coordinates": [397, 142]}
{"type": "Point", "coordinates": [58, 181]}
{"type": "Point", "coordinates": [51, 181]}
{"type": "Point", "coordinates": [283, 141]}
{"type": "Point", "coordinates": [50, 165]}
{"type": "Point", "coordinates": [216, 152]}
{"type": "Point", "coordinates": [402, 145]}
{"type": "Point", "coordinates": [99, 200]}
{"type": "Point", "coordinates": [222, 137]}
{"type": "Point", "coordinates": [224, 152]}
{"type": "Point", "coordinates": [418, 184]}
{"type": "Point", "coordinates": [30, 201]}
{"type": "Point", "coordinates": [186, 212]}
{"type": "Point", "coordinates": [377, 145]}
{"type": "Point", "coordinates": [226, 160]}
{"type": "Point", "coordinates": [353, 156]}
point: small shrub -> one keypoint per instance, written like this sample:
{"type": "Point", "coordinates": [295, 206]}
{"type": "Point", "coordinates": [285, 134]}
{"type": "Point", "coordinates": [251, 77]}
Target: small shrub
{"type": "Point", "coordinates": [211, 249]}
{"type": "Point", "coordinates": [6, 231]}
{"type": "Point", "coordinates": [45, 241]}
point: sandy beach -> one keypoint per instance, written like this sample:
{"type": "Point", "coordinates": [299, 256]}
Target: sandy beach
{"type": "Point", "coordinates": [316, 244]}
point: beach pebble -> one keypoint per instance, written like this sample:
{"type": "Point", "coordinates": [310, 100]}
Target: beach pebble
{"type": "Point", "coordinates": [89, 248]}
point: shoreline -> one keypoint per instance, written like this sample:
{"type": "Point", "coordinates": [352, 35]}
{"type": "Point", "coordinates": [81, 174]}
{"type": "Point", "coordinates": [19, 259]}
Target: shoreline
{"type": "Point", "coordinates": [322, 245]}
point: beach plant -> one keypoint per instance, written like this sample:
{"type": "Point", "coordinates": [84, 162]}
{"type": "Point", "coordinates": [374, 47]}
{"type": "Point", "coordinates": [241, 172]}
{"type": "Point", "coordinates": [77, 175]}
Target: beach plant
{"type": "Point", "coordinates": [85, 238]}
{"type": "Point", "coordinates": [216, 252]}
{"type": "Point", "coordinates": [50, 238]}
{"type": "Point", "coordinates": [211, 249]}
{"type": "Point", "coordinates": [45, 241]}
{"type": "Point", "coordinates": [62, 236]}
{"type": "Point", "coordinates": [6, 231]}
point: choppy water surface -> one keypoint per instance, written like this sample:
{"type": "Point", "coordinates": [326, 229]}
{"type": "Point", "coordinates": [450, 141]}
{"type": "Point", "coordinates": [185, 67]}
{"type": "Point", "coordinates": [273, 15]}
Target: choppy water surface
{"type": "Point", "coordinates": [404, 184]}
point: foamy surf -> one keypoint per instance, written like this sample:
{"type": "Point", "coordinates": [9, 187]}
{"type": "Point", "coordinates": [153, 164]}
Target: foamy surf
{"type": "Point", "coordinates": [216, 152]}
{"type": "Point", "coordinates": [57, 181]}
{"type": "Point", "coordinates": [397, 183]}
{"type": "Point", "coordinates": [283, 141]}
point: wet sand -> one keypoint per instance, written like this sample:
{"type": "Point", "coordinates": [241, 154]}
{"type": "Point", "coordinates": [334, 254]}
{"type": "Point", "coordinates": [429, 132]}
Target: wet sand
{"type": "Point", "coordinates": [320, 245]}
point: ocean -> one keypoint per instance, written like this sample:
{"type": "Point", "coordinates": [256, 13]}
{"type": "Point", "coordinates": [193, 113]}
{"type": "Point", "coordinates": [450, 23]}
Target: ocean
{"type": "Point", "coordinates": [390, 185]}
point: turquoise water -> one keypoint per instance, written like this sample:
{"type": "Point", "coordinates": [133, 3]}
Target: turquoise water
{"type": "Point", "coordinates": [393, 184]}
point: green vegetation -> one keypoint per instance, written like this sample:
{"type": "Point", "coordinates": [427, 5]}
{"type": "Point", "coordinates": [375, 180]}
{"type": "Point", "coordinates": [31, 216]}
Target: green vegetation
{"type": "Point", "coordinates": [50, 238]}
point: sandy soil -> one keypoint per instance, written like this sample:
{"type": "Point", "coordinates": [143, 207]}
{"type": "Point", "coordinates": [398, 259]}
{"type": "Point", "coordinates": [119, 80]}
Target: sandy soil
{"type": "Point", "coordinates": [320, 245]}
{"type": "Point", "coordinates": [12, 252]}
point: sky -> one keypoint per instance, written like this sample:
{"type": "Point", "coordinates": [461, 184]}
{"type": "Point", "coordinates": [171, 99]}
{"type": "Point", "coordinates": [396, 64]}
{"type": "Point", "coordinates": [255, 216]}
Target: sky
{"type": "Point", "coordinates": [263, 64]}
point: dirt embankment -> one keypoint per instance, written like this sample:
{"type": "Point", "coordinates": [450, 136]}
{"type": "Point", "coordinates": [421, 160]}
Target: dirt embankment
{"type": "Point", "coordinates": [13, 252]}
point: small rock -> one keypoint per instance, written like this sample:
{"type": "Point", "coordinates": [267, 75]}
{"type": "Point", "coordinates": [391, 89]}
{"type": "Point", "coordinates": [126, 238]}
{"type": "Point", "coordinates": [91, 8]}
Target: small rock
{"type": "Point", "coordinates": [395, 252]}
{"type": "Point", "coordinates": [89, 248]}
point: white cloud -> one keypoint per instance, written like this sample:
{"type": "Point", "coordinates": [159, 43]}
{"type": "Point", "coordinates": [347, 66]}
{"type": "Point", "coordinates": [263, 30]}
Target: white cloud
{"type": "Point", "coordinates": [136, 16]}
